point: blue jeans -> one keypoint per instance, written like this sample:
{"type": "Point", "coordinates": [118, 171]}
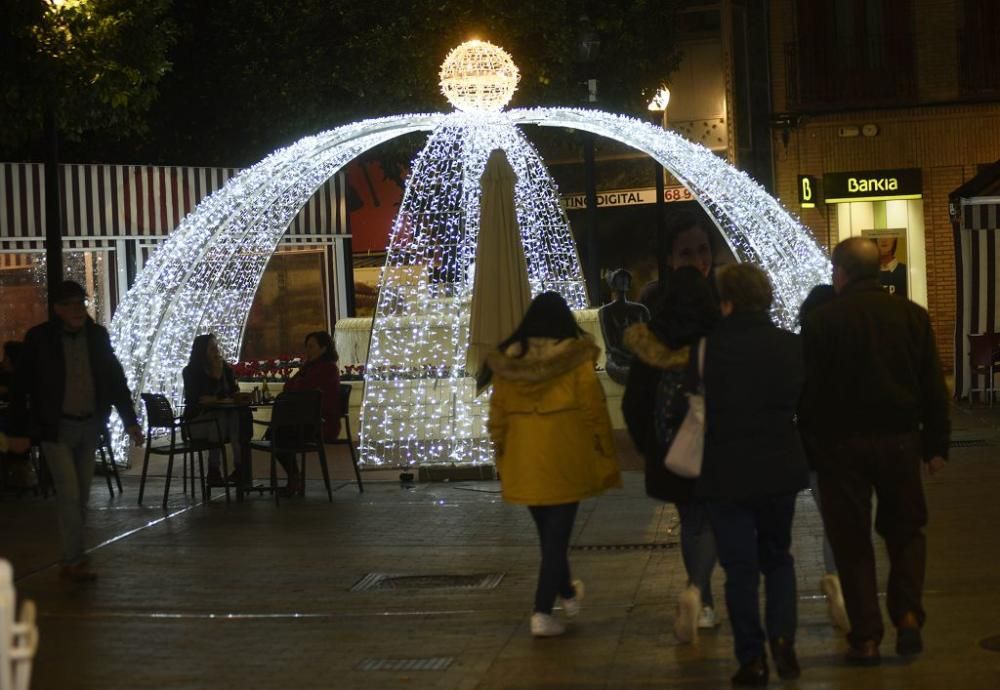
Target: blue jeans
{"type": "Point", "coordinates": [71, 462]}
{"type": "Point", "coordinates": [698, 547]}
{"type": "Point", "coordinates": [754, 537]}
{"type": "Point", "coordinates": [555, 526]}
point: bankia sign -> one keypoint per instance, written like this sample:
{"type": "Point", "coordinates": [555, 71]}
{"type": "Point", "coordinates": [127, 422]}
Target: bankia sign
{"type": "Point", "coordinates": [872, 185]}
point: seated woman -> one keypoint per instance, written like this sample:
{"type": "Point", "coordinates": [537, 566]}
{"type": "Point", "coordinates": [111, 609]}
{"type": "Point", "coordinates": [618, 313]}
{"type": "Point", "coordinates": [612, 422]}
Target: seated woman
{"type": "Point", "coordinates": [208, 379]}
{"type": "Point", "coordinates": [319, 373]}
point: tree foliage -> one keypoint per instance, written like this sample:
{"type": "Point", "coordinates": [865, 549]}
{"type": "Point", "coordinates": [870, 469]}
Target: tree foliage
{"type": "Point", "coordinates": [95, 63]}
{"type": "Point", "coordinates": [251, 75]}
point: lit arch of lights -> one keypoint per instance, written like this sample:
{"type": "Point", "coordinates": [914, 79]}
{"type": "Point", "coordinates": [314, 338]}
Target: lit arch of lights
{"type": "Point", "coordinates": [204, 276]}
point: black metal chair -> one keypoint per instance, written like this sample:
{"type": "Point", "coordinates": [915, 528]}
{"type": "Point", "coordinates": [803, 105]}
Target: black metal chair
{"type": "Point", "coordinates": [345, 401]}
{"type": "Point", "coordinates": [296, 429]}
{"type": "Point", "coordinates": [108, 461]}
{"type": "Point", "coordinates": [160, 415]}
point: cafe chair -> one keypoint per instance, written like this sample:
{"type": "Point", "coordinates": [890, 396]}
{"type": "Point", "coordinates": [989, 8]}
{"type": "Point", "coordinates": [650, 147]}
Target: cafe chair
{"type": "Point", "coordinates": [982, 362]}
{"type": "Point", "coordinates": [160, 415]}
{"type": "Point", "coordinates": [345, 401]}
{"type": "Point", "coordinates": [108, 461]}
{"type": "Point", "coordinates": [296, 430]}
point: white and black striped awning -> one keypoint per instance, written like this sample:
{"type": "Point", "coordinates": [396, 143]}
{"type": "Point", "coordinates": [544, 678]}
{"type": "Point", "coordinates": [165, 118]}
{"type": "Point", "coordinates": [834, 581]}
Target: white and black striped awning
{"type": "Point", "coordinates": [103, 203]}
{"type": "Point", "coordinates": [977, 255]}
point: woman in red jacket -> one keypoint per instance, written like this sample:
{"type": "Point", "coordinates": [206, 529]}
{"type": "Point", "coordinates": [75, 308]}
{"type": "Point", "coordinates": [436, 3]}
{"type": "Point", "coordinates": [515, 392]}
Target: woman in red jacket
{"type": "Point", "coordinates": [318, 373]}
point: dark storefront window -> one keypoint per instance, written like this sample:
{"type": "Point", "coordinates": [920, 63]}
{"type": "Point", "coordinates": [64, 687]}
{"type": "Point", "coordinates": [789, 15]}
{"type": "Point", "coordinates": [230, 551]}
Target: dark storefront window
{"type": "Point", "coordinates": [290, 303]}
{"type": "Point", "coordinates": [851, 53]}
{"type": "Point", "coordinates": [979, 48]}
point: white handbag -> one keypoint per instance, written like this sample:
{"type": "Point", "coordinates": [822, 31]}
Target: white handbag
{"type": "Point", "coordinates": [684, 456]}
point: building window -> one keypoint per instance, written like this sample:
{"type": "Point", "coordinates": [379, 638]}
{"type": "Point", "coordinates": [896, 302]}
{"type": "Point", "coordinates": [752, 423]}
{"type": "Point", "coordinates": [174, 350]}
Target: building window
{"type": "Point", "coordinates": [851, 53]}
{"type": "Point", "coordinates": [979, 49]}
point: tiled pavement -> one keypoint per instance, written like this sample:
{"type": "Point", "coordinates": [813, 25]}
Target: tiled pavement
{"type": "Point", "coordinates": [258, 596]}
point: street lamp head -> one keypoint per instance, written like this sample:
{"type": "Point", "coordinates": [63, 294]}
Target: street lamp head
{"type": "Point", "coordinates": [660, 100]}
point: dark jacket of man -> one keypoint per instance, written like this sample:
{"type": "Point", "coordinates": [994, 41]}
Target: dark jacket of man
{"type": "Point", "coordinates": [753, 379]}
{"type": "Point", "coordinates": [40, 381]}
{"type": "Point", "coordinates": [873, 368]}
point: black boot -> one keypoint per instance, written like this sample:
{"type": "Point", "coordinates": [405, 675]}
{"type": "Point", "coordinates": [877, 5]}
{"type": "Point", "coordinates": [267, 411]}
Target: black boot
{"type": "Point", "coordinates": [753, 674]}
{"type": "Point", "coordinates": [785, 661]}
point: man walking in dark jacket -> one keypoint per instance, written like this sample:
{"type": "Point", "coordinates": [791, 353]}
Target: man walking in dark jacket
{"type": "Point", "coordinates": [875, 399]}
{"type": "Point", "coordinates": [63, 392]}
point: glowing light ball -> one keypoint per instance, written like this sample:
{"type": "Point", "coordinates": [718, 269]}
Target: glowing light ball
{"type": "Point", "coordinates": [479, 77]}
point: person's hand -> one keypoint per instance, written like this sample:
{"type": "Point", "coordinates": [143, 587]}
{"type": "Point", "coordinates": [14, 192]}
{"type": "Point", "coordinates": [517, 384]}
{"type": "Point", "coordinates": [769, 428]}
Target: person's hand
{"type": "Point", "coordinates": [135, 433]}
{"type": "Point", "coordinates": [935, 465]}
{"type": "Point", "coordinates": [18, 445]}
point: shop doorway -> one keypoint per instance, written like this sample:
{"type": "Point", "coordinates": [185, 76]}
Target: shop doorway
{"type": "Point", "coordinates": [897, 225]}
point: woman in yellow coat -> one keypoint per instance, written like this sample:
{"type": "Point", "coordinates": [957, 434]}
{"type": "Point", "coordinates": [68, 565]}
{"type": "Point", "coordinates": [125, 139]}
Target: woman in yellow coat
{"type": "Point", "coordinates": [552, 435]}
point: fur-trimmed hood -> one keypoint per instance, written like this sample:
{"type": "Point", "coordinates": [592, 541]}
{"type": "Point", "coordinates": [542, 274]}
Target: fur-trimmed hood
{"type": "Point", "coordinates": [644, 344]}
{"type": "Point", "coordinates": [545, 359]}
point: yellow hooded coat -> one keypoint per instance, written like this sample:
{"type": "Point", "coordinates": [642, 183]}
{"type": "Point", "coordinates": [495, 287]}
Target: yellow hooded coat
{"type": "Point", "coordinates": [549, 423]}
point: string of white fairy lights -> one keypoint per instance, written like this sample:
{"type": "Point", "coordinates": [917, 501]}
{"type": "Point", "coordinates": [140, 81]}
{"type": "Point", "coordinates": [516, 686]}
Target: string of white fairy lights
{"type": "Point", "coordinates": [420, 404]}
{"type": "Point", "coordinates": [204, 276]}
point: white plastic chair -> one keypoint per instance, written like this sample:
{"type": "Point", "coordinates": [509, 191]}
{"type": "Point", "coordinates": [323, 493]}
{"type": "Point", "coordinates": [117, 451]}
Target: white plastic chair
{"type": "Point", "coordinates": [18, 638]}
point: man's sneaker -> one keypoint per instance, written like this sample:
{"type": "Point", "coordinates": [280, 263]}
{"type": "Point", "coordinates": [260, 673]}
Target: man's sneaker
{"type": "Point", "coordinates": [571, 607]}
{"type": "Point", "coordinates": [835, 602]}
{"type": "Point", "coordinates": [544, 625]}
{"type": "Point", "coordinates": [708, 619]}
{"type": "Point", "coordinates": [688, 608]}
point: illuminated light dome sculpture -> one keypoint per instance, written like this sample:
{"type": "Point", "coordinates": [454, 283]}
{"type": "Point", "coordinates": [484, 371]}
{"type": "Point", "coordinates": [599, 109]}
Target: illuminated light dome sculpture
{"type": "Point", "coordinates": [204, 276]}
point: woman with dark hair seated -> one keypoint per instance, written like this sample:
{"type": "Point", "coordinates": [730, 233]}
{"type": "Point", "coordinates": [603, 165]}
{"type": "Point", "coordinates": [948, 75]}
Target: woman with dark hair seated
{"type": "Point", "coordinates": [552, 436]}
{"type": "Point", "coordinates": [318, 373]}
{"type": "Point", "coordinates": [207, 380]}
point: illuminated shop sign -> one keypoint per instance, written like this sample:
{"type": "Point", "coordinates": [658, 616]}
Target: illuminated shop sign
{"type": "Point", "coordinates": [627, 197]}
{"type": "Point", "coordinates": [872, 185]}
{"type": "Point", "coordinates": [807, 191]}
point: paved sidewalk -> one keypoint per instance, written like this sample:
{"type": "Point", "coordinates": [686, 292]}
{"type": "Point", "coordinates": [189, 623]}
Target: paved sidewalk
{"type": "Point", "coordinates": [257, 596]}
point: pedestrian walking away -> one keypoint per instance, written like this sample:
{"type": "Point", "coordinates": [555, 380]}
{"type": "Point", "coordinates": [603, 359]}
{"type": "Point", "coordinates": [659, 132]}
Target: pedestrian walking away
{"type": "Point", "coordinates": [64, 388]}
{"type": "Point", "coordinates": [552, 436]}
{"type": "Point", "coordinates": [830, 584]}
{"type": "Point", "coordinates": [753, 467]}
{"type": "Point", "coordinates": [653, 405]}
{"type": "Point", "coordinates": [876, 400]}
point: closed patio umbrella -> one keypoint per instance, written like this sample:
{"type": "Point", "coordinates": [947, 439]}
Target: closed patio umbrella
{"type": "Point", "coordinates": [500, 293]}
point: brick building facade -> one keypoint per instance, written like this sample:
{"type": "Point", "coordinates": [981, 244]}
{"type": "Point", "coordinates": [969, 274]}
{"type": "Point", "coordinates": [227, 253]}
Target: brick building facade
{"type": "Point", "coordinates": [871, 87]}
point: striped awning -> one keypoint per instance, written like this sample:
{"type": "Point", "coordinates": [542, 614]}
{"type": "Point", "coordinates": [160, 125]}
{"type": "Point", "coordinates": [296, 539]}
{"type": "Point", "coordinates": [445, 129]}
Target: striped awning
{"type": "Point", "coordinates": [134, 202]}
{"type": "Point", "coordinates": [977, 254]}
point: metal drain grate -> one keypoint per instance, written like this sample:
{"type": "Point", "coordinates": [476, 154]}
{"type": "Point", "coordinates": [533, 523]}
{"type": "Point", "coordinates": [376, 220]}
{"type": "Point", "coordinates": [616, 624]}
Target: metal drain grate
{"type": "Point", "coordinates": [389, 581]}
{"type": "Point", "coordinates": [969, 443]}
{"type": "Point", "coordinates": [625, 547]}
{"type": "Point", "coordinates": [991, 644]}
{"type": "Point", "coordinates": [435, 663]}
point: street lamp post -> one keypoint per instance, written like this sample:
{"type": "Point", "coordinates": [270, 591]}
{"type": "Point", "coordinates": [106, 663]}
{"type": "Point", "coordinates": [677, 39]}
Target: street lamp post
{"type": "Point", "coordinates": [53, 191]}
{"type": "Point", "coordinates": [588, 46]}
{"type": "Point", "coordinates": [659, 105]}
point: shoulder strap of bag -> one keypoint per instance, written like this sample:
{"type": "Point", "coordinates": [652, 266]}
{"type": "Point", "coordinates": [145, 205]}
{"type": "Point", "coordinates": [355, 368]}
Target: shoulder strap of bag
{"type": "Point", "coordinates": [701, 359]}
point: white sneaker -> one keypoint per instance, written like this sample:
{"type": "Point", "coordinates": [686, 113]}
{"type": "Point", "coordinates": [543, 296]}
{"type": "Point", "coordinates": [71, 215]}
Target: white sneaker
{"type": "Point", "coordinates": [709, 619]}
{"type": "Point", "coordinates": [686, 623]}
{"type": "Point", "coordinates": [830, 586]}
{"type": "Point", "coordinates": [571, 607]}
{"type": "Point", "coordinates": [544, 625]}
